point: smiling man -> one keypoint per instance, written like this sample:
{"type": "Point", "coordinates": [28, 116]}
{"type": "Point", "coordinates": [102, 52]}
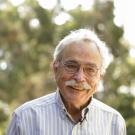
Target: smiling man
{"type": "Point", "coordinates": [80, 61]}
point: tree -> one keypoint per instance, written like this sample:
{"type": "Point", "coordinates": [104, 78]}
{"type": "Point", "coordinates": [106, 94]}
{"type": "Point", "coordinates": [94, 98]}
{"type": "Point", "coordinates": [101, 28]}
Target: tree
{"type": "Point", "coordinates": [26, 54]}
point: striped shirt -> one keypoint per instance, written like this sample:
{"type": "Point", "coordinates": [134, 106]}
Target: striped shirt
{"type": "Point", "coordinates": [48, 116]}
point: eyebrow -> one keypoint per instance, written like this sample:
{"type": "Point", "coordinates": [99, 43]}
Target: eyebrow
{"type": "Point", "coordinates": [88, 64]}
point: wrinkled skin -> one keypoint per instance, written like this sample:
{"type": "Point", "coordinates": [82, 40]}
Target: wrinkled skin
{"type": "Point", "coordinates": [83, 53]}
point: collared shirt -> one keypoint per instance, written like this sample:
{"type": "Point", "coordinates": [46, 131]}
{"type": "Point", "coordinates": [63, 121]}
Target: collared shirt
{"type": "Point", "coordinates": [48, 116]}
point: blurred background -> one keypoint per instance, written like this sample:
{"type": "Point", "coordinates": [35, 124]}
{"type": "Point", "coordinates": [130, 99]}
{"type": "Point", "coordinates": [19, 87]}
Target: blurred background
{"type": "Point", "coordinates": [29, 32]}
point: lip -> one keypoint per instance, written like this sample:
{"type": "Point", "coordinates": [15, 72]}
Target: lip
{"type": "Point", "coordinates": [75, 88]}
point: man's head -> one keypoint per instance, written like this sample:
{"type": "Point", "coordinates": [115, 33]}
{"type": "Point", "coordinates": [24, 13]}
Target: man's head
{"type": "Point", "coordinates": [80, 59]}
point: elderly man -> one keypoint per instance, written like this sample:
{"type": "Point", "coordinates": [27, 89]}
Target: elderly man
{"type": "Point", "coordinates": [80, 61]}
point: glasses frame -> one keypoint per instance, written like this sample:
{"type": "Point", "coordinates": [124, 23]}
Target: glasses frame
{"type": "Point", "coordinates": [76, 67]}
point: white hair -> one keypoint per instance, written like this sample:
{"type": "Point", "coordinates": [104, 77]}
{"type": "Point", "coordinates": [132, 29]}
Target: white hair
{"type": "Point", "coordinates": [84, 35]}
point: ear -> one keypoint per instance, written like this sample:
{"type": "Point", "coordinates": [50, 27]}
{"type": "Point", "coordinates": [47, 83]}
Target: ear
{"type": "Point", "coordinates": [101, 76]}
{"type": "Point", "coordinates": [55, 66]}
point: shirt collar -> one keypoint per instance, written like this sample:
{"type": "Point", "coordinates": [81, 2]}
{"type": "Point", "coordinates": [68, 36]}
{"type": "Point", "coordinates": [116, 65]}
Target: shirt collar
{"type": "Point", "coordinates": [59, 100]}
{"type": "Point", "coordinates": [63, 109]}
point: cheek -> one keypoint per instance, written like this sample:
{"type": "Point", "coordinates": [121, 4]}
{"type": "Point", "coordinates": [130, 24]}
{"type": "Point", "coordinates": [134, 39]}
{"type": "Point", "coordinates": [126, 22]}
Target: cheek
{"type": "Point", "coordinates": [58, 76]}
{"type": "Point", "coordinates": [61, 77]}
{"type": "Point", "coordinates": [59, 80]}
{"type": "Point", "coordinates": [94, 83]}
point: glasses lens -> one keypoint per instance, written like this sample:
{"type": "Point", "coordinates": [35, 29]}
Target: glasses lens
{"type": "Point", "coordinates": [90, 71]}
{"type": "Point", "coordinates": [73, 67]}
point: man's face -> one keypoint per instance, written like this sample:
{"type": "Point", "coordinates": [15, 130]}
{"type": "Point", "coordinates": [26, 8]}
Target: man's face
{"type": "Point", "coordinates": [79, 67]}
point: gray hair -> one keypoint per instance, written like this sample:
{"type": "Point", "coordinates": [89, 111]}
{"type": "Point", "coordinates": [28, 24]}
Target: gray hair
{"type": "Point", "coordinates": [84, 35]}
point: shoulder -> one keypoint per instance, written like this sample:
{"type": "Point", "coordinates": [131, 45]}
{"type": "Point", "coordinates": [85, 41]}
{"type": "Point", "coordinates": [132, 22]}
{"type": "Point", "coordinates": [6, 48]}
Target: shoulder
{"type": "Point", "coordinates": [110, 115]}
{"type": "Point", "coordinates": [106, 109]}
{"type": "Point", "coordinates": [102, 106]}
{"type": "Point", "coordinates": [41, 102]}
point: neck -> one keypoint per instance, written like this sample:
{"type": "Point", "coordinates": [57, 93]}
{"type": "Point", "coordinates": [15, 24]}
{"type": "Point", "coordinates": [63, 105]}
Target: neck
{"type": "Point", "coordinates": [75, 110]}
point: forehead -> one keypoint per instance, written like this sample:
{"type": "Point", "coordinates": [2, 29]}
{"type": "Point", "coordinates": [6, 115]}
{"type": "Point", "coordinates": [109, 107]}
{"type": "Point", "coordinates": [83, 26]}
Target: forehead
{"type": "Point", "coordinates": [82, 52]}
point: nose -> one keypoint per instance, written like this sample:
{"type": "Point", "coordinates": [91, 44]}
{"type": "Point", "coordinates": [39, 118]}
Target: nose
{"type": "Point", "coordinates": [79, 75]}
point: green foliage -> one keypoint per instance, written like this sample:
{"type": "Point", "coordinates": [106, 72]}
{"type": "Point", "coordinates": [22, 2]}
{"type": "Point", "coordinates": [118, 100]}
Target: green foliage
{"type": "Point", "coordinates": [26, 51]}
{"type": "Point", "coordinates": [4, 111]}
{"type": "Point", "coordinates": [4, 115]}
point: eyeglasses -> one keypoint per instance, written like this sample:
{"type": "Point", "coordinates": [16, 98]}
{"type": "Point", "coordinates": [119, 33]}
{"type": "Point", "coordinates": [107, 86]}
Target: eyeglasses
{"type": "Point", "coordinates": [73, 67]}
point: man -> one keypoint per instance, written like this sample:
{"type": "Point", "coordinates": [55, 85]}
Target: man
{"type": "Point", "coordinates": [80, 61]}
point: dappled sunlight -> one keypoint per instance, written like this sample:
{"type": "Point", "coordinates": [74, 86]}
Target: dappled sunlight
{"type": "Point", "coordinates": [124, 17]}
{"type": "Point", "coordinates": [30, 30]}
{"type": "Point", "coordinates": [62, 18]}
{"type": "Point", "coordinates": [34, 23]}
{"type": "Point", "coordinates": [16, 2]}
{"type": "Point", "coordinates": [3, 65]}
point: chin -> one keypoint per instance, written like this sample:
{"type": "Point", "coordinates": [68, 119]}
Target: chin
{"type": "Point", "coordinates": [74, 96]}
{"type": "Point", "coordinates": [73, 100]}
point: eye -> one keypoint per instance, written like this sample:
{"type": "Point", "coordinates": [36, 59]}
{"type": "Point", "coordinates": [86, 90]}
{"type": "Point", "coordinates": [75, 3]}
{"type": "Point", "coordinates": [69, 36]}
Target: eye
{"type": "Point", "coordinates": [90, 69]}
{"type": "Point", "coordinates": [71, 68]}
{"type": "Point", "coordinates": [71, 65]}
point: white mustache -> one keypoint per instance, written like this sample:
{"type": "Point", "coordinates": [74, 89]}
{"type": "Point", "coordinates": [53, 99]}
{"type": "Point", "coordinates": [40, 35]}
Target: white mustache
{"type": "Point", "coordinates": [74, 84]}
